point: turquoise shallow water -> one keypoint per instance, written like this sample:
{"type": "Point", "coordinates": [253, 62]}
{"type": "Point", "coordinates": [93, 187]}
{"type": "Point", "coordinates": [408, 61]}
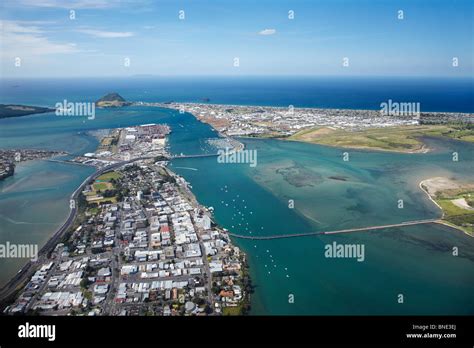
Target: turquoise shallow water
{"type": "Point", "coordinates": [34, 203]}
{"type": "Point", "coordinates": [413, 261]}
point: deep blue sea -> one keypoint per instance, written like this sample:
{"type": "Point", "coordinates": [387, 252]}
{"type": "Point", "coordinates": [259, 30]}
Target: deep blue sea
{"type": "Point", "coordinates": [433, 94]}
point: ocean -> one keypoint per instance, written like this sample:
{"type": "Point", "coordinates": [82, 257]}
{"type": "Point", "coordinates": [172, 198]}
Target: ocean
{"type": "Point", "coordinates": [433, 94]}
{"type": "Point", "coordinates": [415, 261]}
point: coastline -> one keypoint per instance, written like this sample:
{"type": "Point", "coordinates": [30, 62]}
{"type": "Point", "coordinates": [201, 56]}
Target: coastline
{"type": "Point", "coordinates": [15, 285]}
{"type": "Point", "coordinates": [17, 282]}
{"type": "Point", "coordinates": [420, 185]}
{"type": "Point", "coordinates": [368, 149]}
{"type": "Point", "coordinates": [360, 130]}
{"type": "Point", "coordinates": [11, 157]}
{"type": "Point", "coordinates": [424, 148]}
{"type": "Point", "coordinates": [441, 221]}
{"type": "Point", "coordinates": [139, 103]}
{"type": "Point", "coordinates": [246, 302]}
{"type": "Point", "coordinates": [17, 110]}
{"type": "Point", "coordinates": [8, 173]}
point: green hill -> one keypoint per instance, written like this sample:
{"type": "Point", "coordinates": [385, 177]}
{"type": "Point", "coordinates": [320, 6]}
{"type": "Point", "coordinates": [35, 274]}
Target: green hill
{"type": "Point", "coordinates": [112, 100]}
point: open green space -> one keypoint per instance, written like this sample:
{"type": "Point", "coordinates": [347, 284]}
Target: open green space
{"type": "Point", "coordinates": [109, 176]}
{"type": "Point", "coordinates": [460, 217]}
{"type": "Point", "coordinates": [399, 138]}
{"type": "Point", "coordinates": [104, 186]}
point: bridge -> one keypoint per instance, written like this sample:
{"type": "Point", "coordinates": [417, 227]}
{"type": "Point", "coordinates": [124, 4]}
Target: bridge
{"type": "Point", "coordinates": [67, 162]}
{"type": "Point", "coordinates": [195, 156]}
{"type": "Point", "coordinates": [140, 158]}
{"type": "Point", "coordinates": [349, 230]}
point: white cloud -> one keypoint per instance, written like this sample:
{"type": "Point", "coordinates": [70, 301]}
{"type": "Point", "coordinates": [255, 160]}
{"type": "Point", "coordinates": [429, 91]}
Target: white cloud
{"type": "Point", "coordinates": [24, 39]}
{"type": "Point", "coordinates": [19, 27]}
{"type": "Point", "coordinates": [267, 32]}
{"type": "Point", "coordinates": [105, 34]}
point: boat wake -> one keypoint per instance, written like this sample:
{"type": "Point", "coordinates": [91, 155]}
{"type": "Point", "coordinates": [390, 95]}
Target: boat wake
{"type": "Point", "coordinates": [188, 168]}
{"type": "Point", "coordinates": [14, 222]}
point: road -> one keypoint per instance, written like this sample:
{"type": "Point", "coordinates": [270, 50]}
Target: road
{"type": "Point", "coordinates": [29, 269]}
{"type": "Point", "coordinates": [207, 271]}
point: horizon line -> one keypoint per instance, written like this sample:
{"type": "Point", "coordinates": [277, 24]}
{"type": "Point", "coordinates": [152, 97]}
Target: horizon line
{"type": "Point", "coordinates": [236, 76]}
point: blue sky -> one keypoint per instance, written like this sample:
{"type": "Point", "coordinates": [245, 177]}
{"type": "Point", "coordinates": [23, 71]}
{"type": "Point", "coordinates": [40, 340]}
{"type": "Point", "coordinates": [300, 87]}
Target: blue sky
{"type": "Point", "coordinates": [150, 34]}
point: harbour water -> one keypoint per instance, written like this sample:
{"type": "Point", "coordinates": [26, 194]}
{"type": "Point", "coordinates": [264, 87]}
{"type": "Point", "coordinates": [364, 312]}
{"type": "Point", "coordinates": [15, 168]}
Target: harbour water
{"type": "Point", "coordinates": [328, 193]}
{"type": "Point", "coordinates": [414, 261]}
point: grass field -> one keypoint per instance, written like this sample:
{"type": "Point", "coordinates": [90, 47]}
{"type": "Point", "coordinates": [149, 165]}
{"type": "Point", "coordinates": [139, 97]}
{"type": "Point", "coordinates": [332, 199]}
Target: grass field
{"type": "Point", "coordinates": [232, 310]}
{"type": "Point", "coordinates": [457, 216]}
{"type": "Point", "coordinates": [109, 176]}
{"type": "Point", "coordinates": [107, 199]}
{"type": "Point", "coordinates": [398, 139]}
{"type": "Point", "coordinates": [102, 184]}
{"type": "Point", "coordinates": [450, 209]}
{"type": "Point", "coordinates": [93, 211]}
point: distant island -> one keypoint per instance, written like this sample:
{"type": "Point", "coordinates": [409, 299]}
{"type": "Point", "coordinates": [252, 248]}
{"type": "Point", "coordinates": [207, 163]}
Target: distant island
{"type": "Point", "coordinates": [12, 110]}
{"type": "Point", "coordinates": [111, 100]}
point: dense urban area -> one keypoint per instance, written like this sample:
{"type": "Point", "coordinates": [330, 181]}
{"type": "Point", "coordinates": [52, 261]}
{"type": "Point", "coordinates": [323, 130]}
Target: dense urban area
{"type": "Point", "coordinates": [238, 120]}
{"type": "Point", "coordinates": [140, 243]}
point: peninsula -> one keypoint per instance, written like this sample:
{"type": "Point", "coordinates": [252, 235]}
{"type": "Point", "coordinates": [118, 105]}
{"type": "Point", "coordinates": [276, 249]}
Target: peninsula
{"type": "Point", "coordinates": [136, 242]}
{"type": "Point", "coordinates": [9, 158]}
{"type": "Point", "coordinates": [13, 110]}
{"type": "Point", "coordinates": [347, 128]}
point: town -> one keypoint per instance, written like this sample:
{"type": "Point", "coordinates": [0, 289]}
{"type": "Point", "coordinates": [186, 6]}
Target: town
{"type": "Point", "coordinates": [140, 244]}
{"type": "Point", "coordinates": [267, 121]}
{"type": "Point", "coordinates": [234, 120]}
{"type": "Point", "coordinates": [125, 144]}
